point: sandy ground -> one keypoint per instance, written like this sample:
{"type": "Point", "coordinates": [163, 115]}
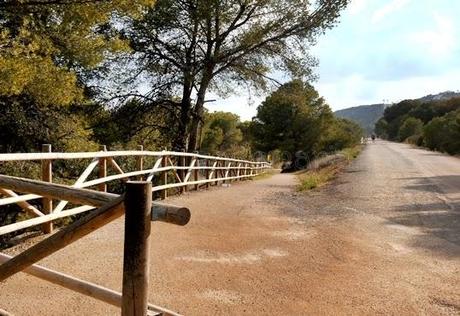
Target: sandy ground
{"type": "Point", "coordinates": [383, 238]}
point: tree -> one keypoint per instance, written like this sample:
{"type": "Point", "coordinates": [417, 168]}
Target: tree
{"type": "Point", "coordinates": [443, 133]}
{"type": "Point", "coordinates": [222, 135]}
{"type": "Point", "coordinates": [26, 125]}
{"type": "Point", "coordinates": [381, 128]}
{"type": "Point", "coordinates": [339, 134]}
{"type": "Point", "coordinates": [395, 116]}
{"type": "Point", "coordinates": [50, 48]}
{"type": "Point", "coordinates": [189, 47]}
{"type": "Point", "coordinates": [133, 123]}
{"type": "Point", "coordinates": [292, 119]}
{"type": "Point", "coordinates": [410, 127]}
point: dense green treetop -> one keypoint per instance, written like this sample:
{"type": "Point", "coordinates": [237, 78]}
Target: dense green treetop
{"type": "Point", "coordinates": [47, 48]}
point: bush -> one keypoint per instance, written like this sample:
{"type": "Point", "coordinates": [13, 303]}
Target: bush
{"type": "Point", "coordinates": [410, 127]}
{"type": "Point", "coordinates": [443, 133]}
{"type": "Point", "coordinates": [415, 140]}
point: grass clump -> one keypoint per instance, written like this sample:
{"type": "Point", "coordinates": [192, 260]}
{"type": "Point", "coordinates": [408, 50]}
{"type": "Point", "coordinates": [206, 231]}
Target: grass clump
{"type": "Point", "coordinates": [324, 169]}
{"type": "Point", "coordinates": [267, 174]}
{"type": "Point", "coordinates": [352, 152]}
{"type": "Point", "coordinates": [313, 179]}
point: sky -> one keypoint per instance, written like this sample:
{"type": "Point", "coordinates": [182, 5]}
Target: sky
{"type": "Point", "coordinates": [381, 51]}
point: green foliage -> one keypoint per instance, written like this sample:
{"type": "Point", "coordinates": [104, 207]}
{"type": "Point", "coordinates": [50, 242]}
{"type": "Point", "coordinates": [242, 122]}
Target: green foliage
{"type": "Point", "coordinates": [25, 125]}
{"type": "Point", "coordinates": [432, 123]}
{"type": "Point", "coordinates": [291, 119]}
{"type": "Point", "coordinates": [296, 119]}
{"type": "Point", "coordinates": [47, 49]}
{"type": "Point", "coordinates": [410, 127]}
{"type": "Point", "coordinates": [222, 45]}
{"type": "Point", "coordinates": [351, 153]}
{"type": "Point", "coordinates": [341, 133]}
{"type": "Point", "coordinates": [381, 128]}
{"type": "Point", "coordinates": [134, 123]}
{"type": "Point", "coordinates": [313, 179]}
{"type": "Point", "coordinates": [223, 134]}
{"type": "Point", "coordinates": [396, 115]}
{"type": "Point", "coordinates": [443, 133]}
{"type": "Point", "coordinates": [221, 131]}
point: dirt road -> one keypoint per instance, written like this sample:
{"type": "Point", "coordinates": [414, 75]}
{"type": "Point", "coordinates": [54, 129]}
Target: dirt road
{"type": "Point", "coordinates": [384, 238]}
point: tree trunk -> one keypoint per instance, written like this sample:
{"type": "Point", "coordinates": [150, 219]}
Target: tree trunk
{"type": "Point", "coordinates": [180, 141]}
{"type": "Point", "coordinates": [198, 111]}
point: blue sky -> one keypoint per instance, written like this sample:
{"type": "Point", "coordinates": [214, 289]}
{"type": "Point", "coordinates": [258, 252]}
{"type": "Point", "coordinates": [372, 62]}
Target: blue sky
{"type": "Point", "coordinates": [381, 50]}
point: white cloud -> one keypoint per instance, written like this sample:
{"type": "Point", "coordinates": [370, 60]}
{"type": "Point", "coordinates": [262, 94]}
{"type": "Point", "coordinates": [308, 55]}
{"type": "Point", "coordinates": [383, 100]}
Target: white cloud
{"type": "Point", "coordinates": [244, 106]}
{"type": "Point", "coordinates": [357, 6]}
{"type": "Point", "coordinates": [355, 90]}
{"type": "Point", "coordinates": [441, 40]}
{"type": "Point", "coordinates": [391, 7]}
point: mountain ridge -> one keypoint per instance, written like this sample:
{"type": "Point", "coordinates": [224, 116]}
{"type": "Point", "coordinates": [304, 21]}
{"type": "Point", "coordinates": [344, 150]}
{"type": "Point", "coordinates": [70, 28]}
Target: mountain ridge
{"type": "Point", "coordinates": [367, 115]}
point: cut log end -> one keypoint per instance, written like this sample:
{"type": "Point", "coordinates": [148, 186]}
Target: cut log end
{"type": "Point", "coordinates": [171, 214]}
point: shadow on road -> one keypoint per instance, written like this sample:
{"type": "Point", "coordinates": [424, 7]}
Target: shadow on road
{"type": "Point", "coordinates": [440, 219]}
{"type": "Point", "coordinates": [450, 184]}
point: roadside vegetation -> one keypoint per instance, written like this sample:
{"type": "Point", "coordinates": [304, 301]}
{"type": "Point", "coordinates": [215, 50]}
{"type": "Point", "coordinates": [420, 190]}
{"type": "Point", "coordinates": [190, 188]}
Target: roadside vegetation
{"type": "Point", "coordinates": [322, 170]}
{"type": "Point", "coordinates": [296, 126]}
{"type": "Point", "coordinates": [434, 125]}
{"type": "Point", "coordinates": [80, 74]}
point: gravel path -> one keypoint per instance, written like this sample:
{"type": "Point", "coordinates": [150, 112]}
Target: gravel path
{"type": "Point", "coordinates": [383, 238]}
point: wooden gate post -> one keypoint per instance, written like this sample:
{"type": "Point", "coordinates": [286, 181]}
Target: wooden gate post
{"type": "Point", "coordinates": [47, 176]}
{"type": "Point", "coordinates": [138, 205]}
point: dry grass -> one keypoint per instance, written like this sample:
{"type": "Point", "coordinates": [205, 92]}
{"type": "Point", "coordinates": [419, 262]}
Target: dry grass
{"type": "Point", "coordinates": [267, 174]}
{"type": "Point", "coordinates": [325, 169]}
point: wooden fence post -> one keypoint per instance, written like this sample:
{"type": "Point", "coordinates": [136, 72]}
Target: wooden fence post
{"type": "Point", "coordinates": [207, 173]}
{"type": "Point", "coordinates": [140, 162]}
{"type": "Point", "coordinates": [183, 163]}
{"type": "Point", "coordinates": [102, 169]}
{"type": "Point", "coordinates": [196, 174]}
{"type": "Point", "coordinates": [216, 172]}
{"type": "Point", "coordinates": [47, 176]}
{"type": "Point", "coordinates": [138, 204]}
{"type": "Point", "coordinates": [164, 175]}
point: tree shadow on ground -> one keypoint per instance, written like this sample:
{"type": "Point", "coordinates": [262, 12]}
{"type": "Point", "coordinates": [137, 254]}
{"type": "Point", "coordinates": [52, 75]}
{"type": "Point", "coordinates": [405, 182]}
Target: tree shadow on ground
{"type": "Point", "coordinates": [440, 184]}
{"type": "Point", "coordinates": [438, 218]}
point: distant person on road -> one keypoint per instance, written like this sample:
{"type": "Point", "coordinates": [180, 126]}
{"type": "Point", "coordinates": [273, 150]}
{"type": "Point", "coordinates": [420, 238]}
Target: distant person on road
{"type": "Point", "coordinates": [373, 137]}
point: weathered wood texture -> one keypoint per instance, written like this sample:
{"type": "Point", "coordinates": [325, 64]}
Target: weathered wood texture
{"type": "Point", "coordinates": [47, 176]}
{"type": "Point", "coordinates": [64, 237]}
{"type": "Point", "coordinates": [138, 201]}
{"type": "Point", "coordinates": [185, 167]}
{"type": "Point", "coordinates": [102, 170]}
{"type": "Point", "coordinates": [83, 287]}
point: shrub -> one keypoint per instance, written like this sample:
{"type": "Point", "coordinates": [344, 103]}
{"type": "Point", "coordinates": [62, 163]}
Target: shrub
{"type": "Point", "coordinates": [443, 133]}
{"type": "Point", "coordinates": [410, 127]}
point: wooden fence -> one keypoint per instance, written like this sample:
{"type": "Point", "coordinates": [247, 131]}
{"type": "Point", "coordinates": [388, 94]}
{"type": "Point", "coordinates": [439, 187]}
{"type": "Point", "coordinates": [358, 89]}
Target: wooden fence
{"type": "Point", "coordinates": [170, 170]}
{"type": "Point", "coordinates": [186, 171]}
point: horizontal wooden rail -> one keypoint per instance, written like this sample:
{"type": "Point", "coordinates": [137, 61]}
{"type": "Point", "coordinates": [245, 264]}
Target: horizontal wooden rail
{"type": "Point", "coordinates": [166, 171]}
{"type": "Point", "coordinates": [182, 172]}
{"type": "Point", "coordinates": [83, 287]}
{"type": "Point", "coordinates": [109, 154]}
{"type": "Point", "coordinates": [90, 198]}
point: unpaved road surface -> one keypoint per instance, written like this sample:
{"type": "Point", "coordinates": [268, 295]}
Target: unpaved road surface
{"type": "Point", "coordinates": [383, 238]}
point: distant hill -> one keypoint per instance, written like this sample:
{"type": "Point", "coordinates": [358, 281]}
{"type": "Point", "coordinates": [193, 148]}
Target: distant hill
{"type": "Point", "coordinates": [440, 96]}
{"type": "Point", "coordinates": [365, 115]}
{"type": "Point", "coordinates": [368, 115]}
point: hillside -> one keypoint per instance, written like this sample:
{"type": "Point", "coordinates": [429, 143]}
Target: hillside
{"type": "Point", "coordinates": [365, 115]}
{"type": "Point", "coordinates": [368, 115]}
